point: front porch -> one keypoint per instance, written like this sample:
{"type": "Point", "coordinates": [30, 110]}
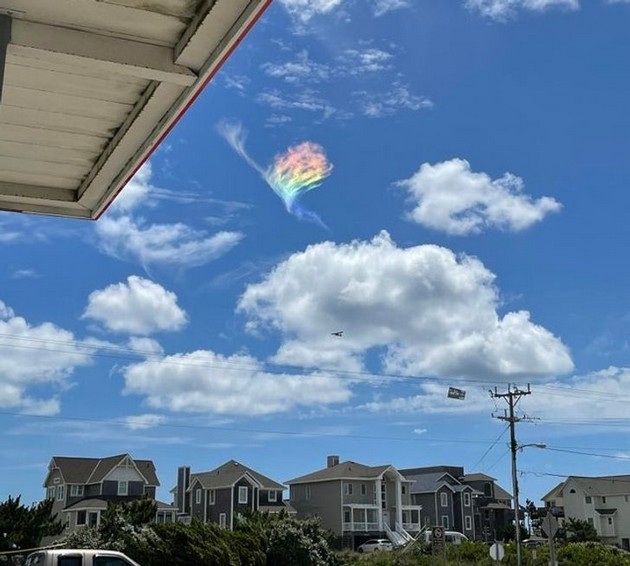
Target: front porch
{"type": "Point", "coordinates": [367, 518]}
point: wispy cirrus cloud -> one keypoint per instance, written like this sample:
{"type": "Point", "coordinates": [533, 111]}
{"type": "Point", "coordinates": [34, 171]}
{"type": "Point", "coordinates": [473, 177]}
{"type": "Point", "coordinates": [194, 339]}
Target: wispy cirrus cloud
{"type": "Point", "coordinates": [128, 237]}
{"type": "Point", "coordinates": [502, 10]}
{"type": "Point", "coordinates": [381, 7]}
{"type": "Point", "coordinates": [302, 69]}
{"type": "Point", "coordinates": [377, 104]}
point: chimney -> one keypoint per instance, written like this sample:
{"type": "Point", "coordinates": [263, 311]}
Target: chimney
{"type": "Point", "coordinates": [332, 461]}
{"type": "Point", "coordinates": [183, 481]}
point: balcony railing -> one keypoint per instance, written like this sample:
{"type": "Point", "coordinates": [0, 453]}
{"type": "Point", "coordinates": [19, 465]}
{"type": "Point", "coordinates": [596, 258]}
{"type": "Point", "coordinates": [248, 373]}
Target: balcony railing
{"type": "Point", "coordinates": [361, 526]}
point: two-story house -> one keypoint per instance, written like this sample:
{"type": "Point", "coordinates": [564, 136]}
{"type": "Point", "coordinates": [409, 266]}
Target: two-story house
{"type": "Point", "coordinates": [445, 500]}
{"type": "Point", "coordinates": [602, 501]}
{"type": "Point", "coordinates": [82, 487]}
{"type": "Point", "coordinates": [492, 507]}
{"type": "Point", "coordinates": [357, 502]}
{"type": "Point", "coordinates": [225, 493]}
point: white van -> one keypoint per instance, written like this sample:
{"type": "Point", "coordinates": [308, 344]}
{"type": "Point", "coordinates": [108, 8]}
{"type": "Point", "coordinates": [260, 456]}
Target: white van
{"type": "Point", "coordinates": [451, 537]}
{"type": "Point", "coordinates": [78, 557]}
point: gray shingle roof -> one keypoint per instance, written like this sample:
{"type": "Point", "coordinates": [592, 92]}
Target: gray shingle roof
{"type": "Point", "coordinates": [602, 485]}
{"type": "Point", "coordinates": [228, 474]}
{"type": "Point", "coordinates": [426, 482]}
{"type": "Point", "coordinates": [343, 470]}
{"type": "Point", "coordinates": [478, 477]}
{"type": "Point", "coordinates": [93, 470]}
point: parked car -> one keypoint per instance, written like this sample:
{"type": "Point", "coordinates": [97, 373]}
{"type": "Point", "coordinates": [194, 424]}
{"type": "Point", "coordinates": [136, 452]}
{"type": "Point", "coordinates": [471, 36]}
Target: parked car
{"type": "Point", "coordinates": [450, 537]}
{"type": "Point", "coordinates": [75, 557]}
{"type": "Point", "coordinates": [534, 542]}
{"type": "Point", "coordinates": [375, 544]}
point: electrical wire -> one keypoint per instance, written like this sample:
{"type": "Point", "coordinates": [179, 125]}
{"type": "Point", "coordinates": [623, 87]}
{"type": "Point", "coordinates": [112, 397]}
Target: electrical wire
{"type": "Point", "coordinates": [490, 447]}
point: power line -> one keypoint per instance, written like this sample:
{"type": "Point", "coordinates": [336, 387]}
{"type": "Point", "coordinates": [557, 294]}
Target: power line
{"type": "Point", "coordinates": [490, 448]}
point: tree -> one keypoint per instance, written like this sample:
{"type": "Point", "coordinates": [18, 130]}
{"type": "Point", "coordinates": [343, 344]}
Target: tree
{"type": "Point", "coordinates": [24, 527]}
{"type": "Point", "coordinates": [577, 530]}
{"type": "Point", "coordinates": [303, 542]}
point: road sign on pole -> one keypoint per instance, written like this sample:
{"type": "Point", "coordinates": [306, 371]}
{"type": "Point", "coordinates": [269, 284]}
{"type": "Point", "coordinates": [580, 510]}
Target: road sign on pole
{"type": "Point", "coordinates": [550, 525]}
{"type": "Point", "coordinates": [497, 552]}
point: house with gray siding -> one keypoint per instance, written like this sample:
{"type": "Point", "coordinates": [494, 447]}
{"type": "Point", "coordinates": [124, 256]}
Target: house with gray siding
{"type": "Point", "coordinates": [445, 500]}
{"type": "Point", "coordinates": [357, 502]}
{"type": "Point", "coordinates": [224, 494]}
{"type": "Point", "coordinates": [81, 487]}
{"type": "Point", "coordinates": [493, 506]}
{"type": "Point", "coordinates": [603, 501]}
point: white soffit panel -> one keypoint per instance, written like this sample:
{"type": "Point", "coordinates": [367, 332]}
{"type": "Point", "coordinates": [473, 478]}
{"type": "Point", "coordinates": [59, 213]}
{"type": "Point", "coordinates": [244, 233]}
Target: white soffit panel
{"type": "Point", "coordinates": [89, 88]}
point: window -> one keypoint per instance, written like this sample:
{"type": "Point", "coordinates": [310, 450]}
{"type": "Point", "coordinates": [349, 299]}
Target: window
{"type": "Point", "coordinates": [625, 498]}
{"type": "Point", "coordinates": [76, 491]}
{"type": "Point", "coordinates": [572, 490]}
{"type": "Point", "coordinates": [588, 499]}
{"type": "Point", "coordinates": [67, 520]}
{"type": "Point", "coordinates": [363, 489]}
{"type": "Point", "coordinates": [69, 561]}
{"type": "Point", "coordinates": [590, 521]}
{"type": "Point", "coordinates": [604, 499]}
{"type": "Point", "coordinates": [403, 489]}
{"type": "Point", "coordinates": [444, 499]}
{"type": "Point", "coordinates": [81, 517]}
{"type": "Point", "coordinates": [468, 523]}
{"type": "Point", "coordinates": [445, 521]}
{"type": "Point", "coordinates": [487, 489]}
{"type": "Point", "coordinates": [610, 521]}
{"type": "Point", "coordinates": [51, 492]}
{"type": "Point", "coordinates": [466, 499]}
{"type": "Point", "coordinates": [307, 492]}
{"type": "Point", "coordinates": [110, 561]}
{"type": "Point", "coordinates": [222, 520]}
{"type": "Point", "coordinates": [92, 519]}
{"type": "Point", "coordinates": [123, 487]}
{"type": "Point", "coordinates": [211, 497]}
{"type": "Point", "coordinates": [198, 493]}
{"type": "Point", "coordinates": [242, 494]}
{"type": "Point", "coordinates": [60, 493]}
{"type": "Point", "coordinates": [346, 515]}
{"type": "Point", "coordinates": [273, 496]}
{"type": "Point", "coordinates": [347, 488]}
{"type": "Point", "coordinates": [57, 480]}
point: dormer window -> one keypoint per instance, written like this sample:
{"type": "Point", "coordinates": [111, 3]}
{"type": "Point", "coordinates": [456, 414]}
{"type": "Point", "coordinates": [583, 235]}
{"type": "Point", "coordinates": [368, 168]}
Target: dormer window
{"type": "Point", "coordinates": [123, 487]}
{"type": "Point", "coordinates": [76, 491]}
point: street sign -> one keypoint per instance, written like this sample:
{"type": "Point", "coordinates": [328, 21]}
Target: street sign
{"type": "Point", "coordinates": [497, 552]}
{"type": "Point", "coordinates": [437, 537]}
{"type": "Point", "coordinates": [550, 525]}
{"type": "Point", "coordinates": [454, 393]}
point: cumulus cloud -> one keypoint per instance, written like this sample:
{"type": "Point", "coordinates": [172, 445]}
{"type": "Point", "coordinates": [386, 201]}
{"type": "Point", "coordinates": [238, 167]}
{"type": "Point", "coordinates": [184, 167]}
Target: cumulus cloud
{"type": "Point", "coordinates": [428, 310]}
{"type": "Point", "coordinates": [450, 197]}
{"type": "Point", "coordinates": [127, 237]}
{"type": "Point", "coordinates": [501, 10]}
{"type": "Point", "coordinates": [139, 306]}
{"type": "Point", "coordinates": [204, 381]}
{"type": "Point", "coordinates": [42, 356]}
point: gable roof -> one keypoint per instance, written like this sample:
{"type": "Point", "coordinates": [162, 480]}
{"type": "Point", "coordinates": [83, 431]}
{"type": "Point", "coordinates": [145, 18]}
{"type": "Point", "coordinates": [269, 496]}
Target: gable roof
{"type": "Point", "coordinates": [90, 89]}
{"type": "Point", "coordinates": [228, 474]}
{"type": "Point", "coordinates": [344, 470]}
{"type": "Point", "coordinates": [425, 483]}
{"type": "Point", "coordinates": [478, 477]}
{"type": "Point", "coordinates": [93, 470]}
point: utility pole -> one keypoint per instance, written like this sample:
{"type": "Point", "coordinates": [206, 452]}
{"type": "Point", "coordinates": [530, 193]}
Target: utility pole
{"type": "Point", "coordinates": [512, 397]}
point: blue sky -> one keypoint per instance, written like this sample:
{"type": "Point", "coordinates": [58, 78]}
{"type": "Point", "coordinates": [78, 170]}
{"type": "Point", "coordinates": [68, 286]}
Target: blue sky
{"type": "Point", "coordinates": [476, 236]}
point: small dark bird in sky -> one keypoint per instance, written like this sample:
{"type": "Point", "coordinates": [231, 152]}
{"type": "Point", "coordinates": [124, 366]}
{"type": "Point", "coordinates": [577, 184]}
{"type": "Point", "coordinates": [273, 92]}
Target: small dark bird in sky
{"type": "Point", "coordinates": [338, 334]}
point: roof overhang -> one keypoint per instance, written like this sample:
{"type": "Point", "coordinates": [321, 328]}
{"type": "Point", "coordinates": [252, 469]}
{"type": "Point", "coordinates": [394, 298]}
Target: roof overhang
{"type": "Point", "coordinates": [89, 88]}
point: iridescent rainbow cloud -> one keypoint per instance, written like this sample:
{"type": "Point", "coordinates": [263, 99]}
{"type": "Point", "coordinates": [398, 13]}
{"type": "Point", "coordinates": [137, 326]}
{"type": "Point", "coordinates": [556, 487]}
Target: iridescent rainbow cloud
{"type": "Point", "coordinates": [299, 169]}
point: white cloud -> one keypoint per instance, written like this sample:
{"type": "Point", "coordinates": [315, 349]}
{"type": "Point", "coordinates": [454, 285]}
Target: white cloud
{"type": "Point", "coordinates": [428, 310]}
{"type": "Point", "coordinates": [399, 97]}
{"type": "Point", "coordinates": [303, 10]}
{"type": "Point", "coordinates": [450, 197]}
{"type": "Point", "coordinates": [307, 101]}
{"type": "Point", "coordinates": [142, 422]}
{"type": "Point", "coordinates": [42, 356]}
{"type": "Point", "coordinates": [125, 237]}
{"type": "Point", "coordinates": [25, 274]}
{"type": "Point", "coordinates": [138, 307]}
{"type": "Point", "coordinates": [204, 381]}
{"type": "Point", "coordinates": [168, 244]}
{"type": "Point", "coordinates": [368, 60]}
{"type": "Point", "coordinates": [502, 10]}
{"type": "Point", "coordinates": [383, 6]}
{"type": "Point", "coordinates": [300, 70]}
